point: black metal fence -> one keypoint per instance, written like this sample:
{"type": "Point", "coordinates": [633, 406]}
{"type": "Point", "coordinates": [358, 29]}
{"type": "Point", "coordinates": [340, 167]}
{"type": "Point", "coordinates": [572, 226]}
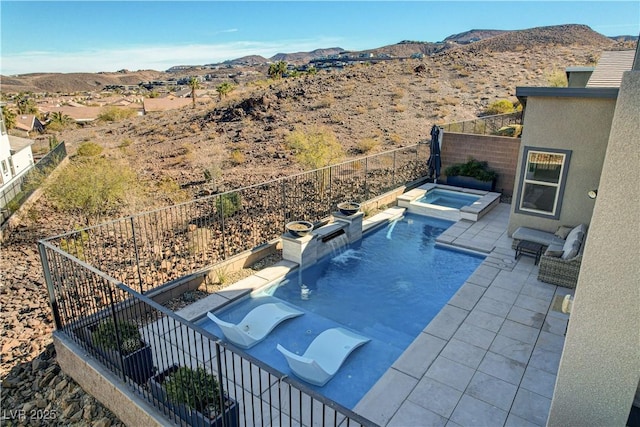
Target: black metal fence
{"type": "Point", "coordinates": [488, 125]}
{"type": "Point", "coordinates": [12, 197]}
{"type": "Point", "coordinates": [86, 272]}
{"type": "Point", "coordinates": [188, 374]}
{"type": "Point", "coordinates": [150, 249]}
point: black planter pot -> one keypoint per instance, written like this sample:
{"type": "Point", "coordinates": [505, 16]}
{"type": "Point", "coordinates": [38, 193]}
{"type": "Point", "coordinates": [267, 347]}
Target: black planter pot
{"type": "Point", "coordinates": [191, 416]}
{"type": "Point", "coordinates": [469, 182]}
{"type": "Point", "coordinates": [137, 365]}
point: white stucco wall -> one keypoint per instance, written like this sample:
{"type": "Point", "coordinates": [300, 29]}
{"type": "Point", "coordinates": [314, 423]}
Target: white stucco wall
{"type": "Point", "coordinates": [577, 124]}
{"type": "Point", "coordinates": [600, 366]}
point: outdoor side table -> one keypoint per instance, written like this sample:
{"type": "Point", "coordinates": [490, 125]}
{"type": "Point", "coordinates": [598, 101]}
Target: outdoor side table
{"type": "Point", "coordinates": [526, 247]}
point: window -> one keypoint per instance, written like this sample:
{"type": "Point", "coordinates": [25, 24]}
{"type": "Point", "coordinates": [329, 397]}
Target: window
{"type": "Point", "coordinates": [5, 170]}
{"type": "Point", "coordinates": [542, 181]}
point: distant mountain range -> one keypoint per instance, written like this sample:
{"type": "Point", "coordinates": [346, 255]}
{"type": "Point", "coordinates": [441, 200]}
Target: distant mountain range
{"type": "Point", "coordinates": [406, 48]}
{"type": "Point", "coordinates": [468, 42]}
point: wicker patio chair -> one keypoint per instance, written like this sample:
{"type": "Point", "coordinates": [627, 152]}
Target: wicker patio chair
{"type": "Point", "coordinates": [558, 271]}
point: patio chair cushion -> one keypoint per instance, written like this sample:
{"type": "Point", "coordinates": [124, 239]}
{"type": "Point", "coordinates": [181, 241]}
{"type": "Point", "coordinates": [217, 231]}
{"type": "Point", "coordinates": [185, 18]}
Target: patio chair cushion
{"type": "Point", "coordinates": [577, 230]}
{"type": "Point", "coordinates": [573, 243]}
{"type": "Point", "coordinates": [563, 231]}
{"type": "Point", "coordinates": [554, 252]}
{"type": "Point", "coordinates": [545, 238]}
{"type": "Point", "coordinates": [571, 248]}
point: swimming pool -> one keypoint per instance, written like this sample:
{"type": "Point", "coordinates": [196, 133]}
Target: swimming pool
{"type": "Point", "coordinates": [450, 199]}
{"type": "Point", "coordinates": [386, 287]}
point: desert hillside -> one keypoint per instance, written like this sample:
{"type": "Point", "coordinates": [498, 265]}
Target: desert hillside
{"type": "Point", "coordinates": [370, 108]}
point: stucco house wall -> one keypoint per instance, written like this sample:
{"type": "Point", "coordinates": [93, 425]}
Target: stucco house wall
{"type": "Point", "coordinates": [578, 124]}
{"type": "Point", "coordinates": [600, 365]}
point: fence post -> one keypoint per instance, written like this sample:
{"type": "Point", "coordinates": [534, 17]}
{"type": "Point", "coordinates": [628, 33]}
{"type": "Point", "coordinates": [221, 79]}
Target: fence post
{"type": "Point", "coordinates": [137, 255]}
{"type": "Point", "coordinates": [225, 246]}
{"type": "Point", "coordinates": [393, 176]}
{"type": "Point", "coordinates": [49, 281]}
{"type": "Point", "coordinates": [366, 176]}
{"type": "Point", "coordinates": [117, 332]}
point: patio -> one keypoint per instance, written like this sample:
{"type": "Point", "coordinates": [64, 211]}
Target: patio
{"type": "Point", "coordinates": [491, 355]}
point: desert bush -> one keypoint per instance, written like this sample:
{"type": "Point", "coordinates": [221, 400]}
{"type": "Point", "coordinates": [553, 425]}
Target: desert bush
{"type": "Point", "coordinates": [228, 204]}
{"type": "Point", "coordinates": [395, 138]}
{"type": "Point", "coordinates": [366, 145]}
{"type": "Point", "coordinates": [397, 93]}
{"type": "Point", "coordinates": [169, 189]}
{"type": "Point", "coordinates": [502, 106]}
{"type": "Point", "coordinates": [89, 149]}
{"type": "Point", "coordinates": [92, 188]}
{"type": "Point", "coordinates": [237, 157]}
{"type": "Point", "coordinates": [557, 78]}
{"type": "Point", "coordinates": [114, 114]}
{"type": "Point", "coordinates": [125, 143]}
{"type": "Point", "coordinates": [360, 109]}
{"type": "Point", "coordinates": [325, 102]}
{"type": "Point", "coordinates": [315, 148]}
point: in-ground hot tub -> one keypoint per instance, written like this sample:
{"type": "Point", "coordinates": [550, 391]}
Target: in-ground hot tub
{"type": "Point", "coordinates": [448, 202]}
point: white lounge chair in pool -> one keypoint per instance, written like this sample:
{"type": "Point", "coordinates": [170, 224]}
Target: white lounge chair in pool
{"type": "Point", "coordinates": [257, 324]}
{"type": "Point", "coordinates": [324, 356]}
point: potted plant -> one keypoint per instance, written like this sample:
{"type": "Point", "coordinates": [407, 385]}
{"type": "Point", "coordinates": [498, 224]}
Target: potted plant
{"type": "Point", "coordinates": [472, 174]}
{"type": "Point", "coordinates": [194, 396]}
{"type": "Point", "coordinates": [348, 208]}
{"type": "Point", "coordinates": [123, 342]}
{"type": "Point", "coordinates": [299, 228]}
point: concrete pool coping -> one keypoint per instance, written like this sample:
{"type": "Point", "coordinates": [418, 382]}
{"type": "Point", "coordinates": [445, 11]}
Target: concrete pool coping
{"type": "Point", "coordinates": [489, 357]}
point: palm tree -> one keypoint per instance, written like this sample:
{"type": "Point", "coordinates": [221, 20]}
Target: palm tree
{"type": "Point", "coordinates": [194, 84]}
{"type": "Point", "coordinates": [58, 121]}
{"type": "Point", "coordinates": [9, 117]}
{"type": "Point", "coordinates": [278, 69]}
{"type": "Point", "coordinates": [26, 104]}
{"type": "Point", "coordinates": [223, 89]}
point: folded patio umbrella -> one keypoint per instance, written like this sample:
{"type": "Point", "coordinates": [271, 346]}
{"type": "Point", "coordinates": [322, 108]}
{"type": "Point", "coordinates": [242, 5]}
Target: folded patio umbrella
{"type": "Point", "coordinates": [434, 157]}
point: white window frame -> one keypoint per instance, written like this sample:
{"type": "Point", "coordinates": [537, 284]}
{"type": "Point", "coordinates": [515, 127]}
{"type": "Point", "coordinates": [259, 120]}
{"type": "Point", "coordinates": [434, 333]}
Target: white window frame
{"type": "Point", "coordinates": [560, 185]}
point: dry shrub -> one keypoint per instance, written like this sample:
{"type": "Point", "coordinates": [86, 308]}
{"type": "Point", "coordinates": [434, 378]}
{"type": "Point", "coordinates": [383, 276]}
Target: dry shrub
{"type": "Point", "coordinates": [325, 102]}
{"type": "Point", "coordinates": [367, 145]}
{"type": "Point", "coordinates": [399, 108]}
{"type": "Point", "coordinates": [395, 138]}
{"type": "Point", "coordinates": [397, 93]}
{"type": "Point", "coordinates": [237, 157]}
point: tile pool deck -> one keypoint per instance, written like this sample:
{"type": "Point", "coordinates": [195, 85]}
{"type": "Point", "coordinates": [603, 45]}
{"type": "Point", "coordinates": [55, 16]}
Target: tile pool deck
{"type": "Point", "coordinates": [489, 358]}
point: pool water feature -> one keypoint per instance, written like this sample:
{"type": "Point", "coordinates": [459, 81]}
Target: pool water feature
{"type": "Point", "coordinates": [387, 286]}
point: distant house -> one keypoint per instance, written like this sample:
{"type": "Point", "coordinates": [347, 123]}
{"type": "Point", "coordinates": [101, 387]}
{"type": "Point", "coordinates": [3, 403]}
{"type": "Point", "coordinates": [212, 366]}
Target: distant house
{"type": "Point", "coordinates": [78, 114]}
{"type": "Point", "coordinates": [29, 123]}
{"type": "Point", "coordinates": [16, 157]}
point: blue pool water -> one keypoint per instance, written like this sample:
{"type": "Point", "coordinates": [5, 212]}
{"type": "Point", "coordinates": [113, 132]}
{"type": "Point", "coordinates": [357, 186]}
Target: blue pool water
{"type": "Point", "coordinates": [387, 287]}
{"type": "Point", "coordinates": [450, 199]}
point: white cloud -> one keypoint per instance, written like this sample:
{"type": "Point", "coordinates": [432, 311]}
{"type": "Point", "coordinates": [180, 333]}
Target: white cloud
{"type": "Point", "coordinates": [149, 57]}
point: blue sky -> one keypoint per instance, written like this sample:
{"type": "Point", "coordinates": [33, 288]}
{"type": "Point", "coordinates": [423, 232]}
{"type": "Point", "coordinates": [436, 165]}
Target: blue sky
{"type": "Point", "coordinates": [91, 36]}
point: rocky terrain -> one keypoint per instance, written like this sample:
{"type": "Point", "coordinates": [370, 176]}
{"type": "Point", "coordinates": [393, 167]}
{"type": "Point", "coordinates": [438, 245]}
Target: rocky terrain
{"type": "Point", "coordinates": [381, 106]}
